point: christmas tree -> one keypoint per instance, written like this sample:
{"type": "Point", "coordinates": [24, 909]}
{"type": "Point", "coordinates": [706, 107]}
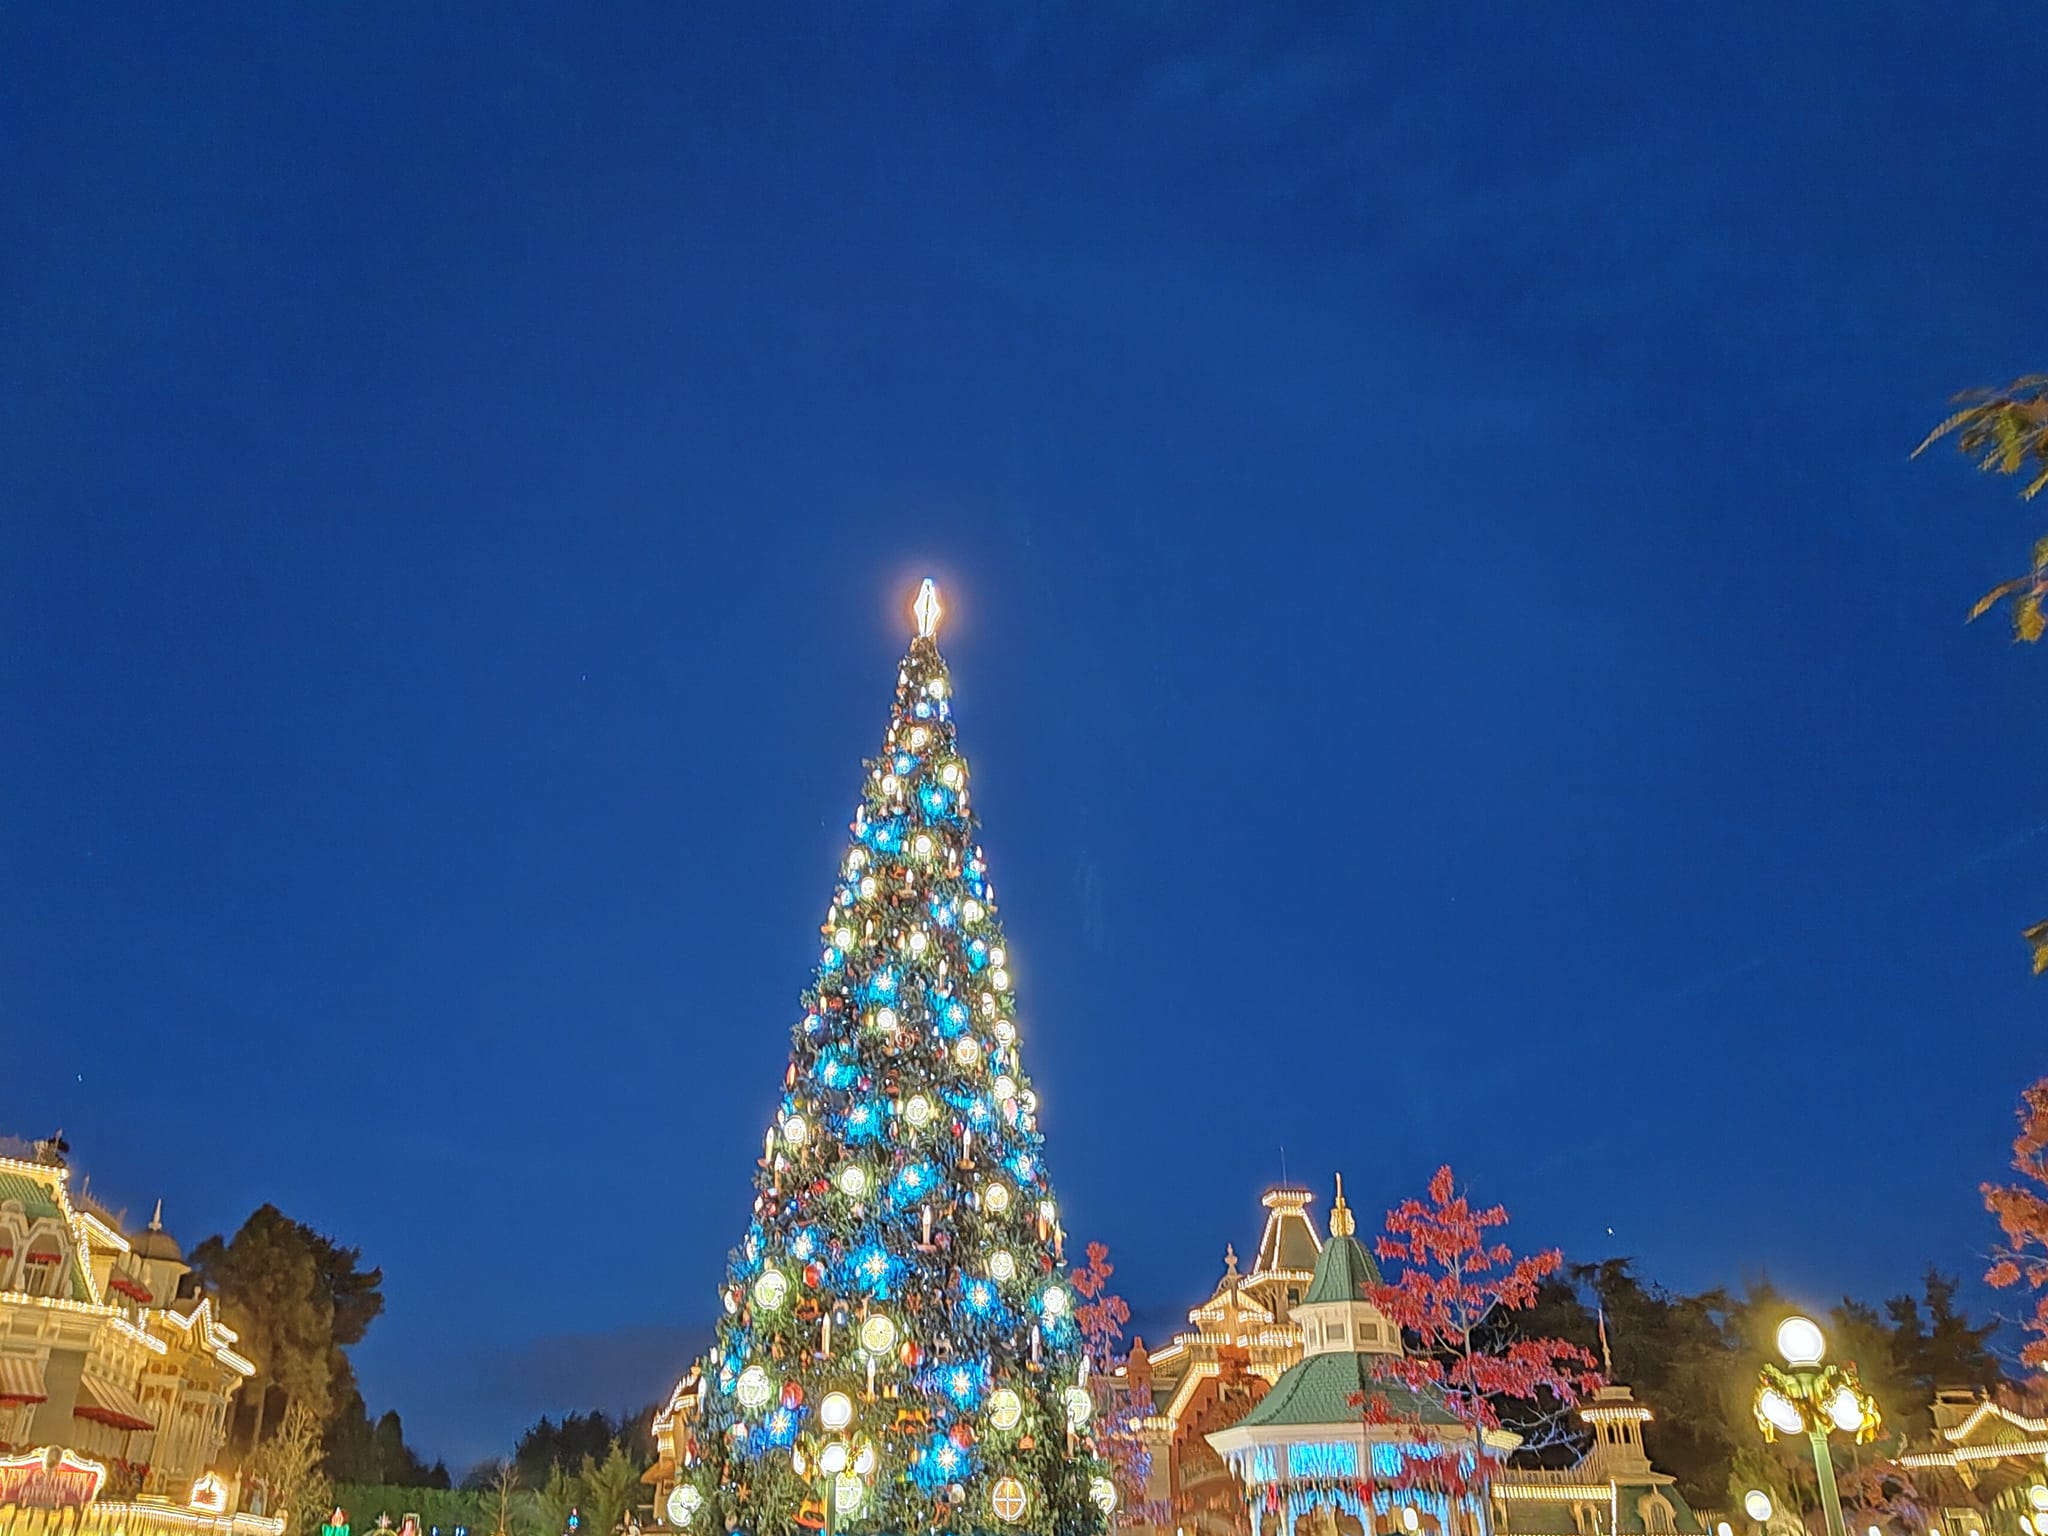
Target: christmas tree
{"type": "Point", "coordinates": [899, 1349]}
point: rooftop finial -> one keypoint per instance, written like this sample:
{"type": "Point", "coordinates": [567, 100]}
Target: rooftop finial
{"type": "Point", "coordinates": [927, 609]}
{"type": "Point", "coordinates": [1606, 1355]}
{"type": "Point", "coordinates": [156, 1222]}
{"type": "Point", "coordinates": [1230, 1258]}
{"type": "Point", "coordinates": [1342, 1223]}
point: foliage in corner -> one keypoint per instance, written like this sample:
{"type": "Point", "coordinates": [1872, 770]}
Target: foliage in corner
{"type": "Point", "coordinates": [2006, 431]}
{"type": "Point", "coordinates": [2022, 1212]}
{"type": "Point", "coordinates": [1457, 1283]}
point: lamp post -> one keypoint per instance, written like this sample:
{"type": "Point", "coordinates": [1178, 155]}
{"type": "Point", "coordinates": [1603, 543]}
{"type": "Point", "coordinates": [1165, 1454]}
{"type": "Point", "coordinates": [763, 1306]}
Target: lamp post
{"type": "Point", "coordinates": [833, 1456]}
{"type": "Point", "coordinates": [1757, 1505]}
{"type": "Point", "coordinates": [1810, 1398]}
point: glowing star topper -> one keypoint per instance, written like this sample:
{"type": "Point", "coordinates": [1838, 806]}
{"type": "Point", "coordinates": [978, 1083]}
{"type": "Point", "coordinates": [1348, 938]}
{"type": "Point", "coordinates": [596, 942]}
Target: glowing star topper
{"type": "Point", "coordinates": [927, 609]}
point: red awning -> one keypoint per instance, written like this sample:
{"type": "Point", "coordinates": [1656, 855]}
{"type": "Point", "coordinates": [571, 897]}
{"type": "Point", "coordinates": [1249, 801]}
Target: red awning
{"type": "Point", "coordinates": [105, 1403]}
{"type": "Point", "coordinates": [21, 1379]}
{"type": "Point", "coordinates": [129, 1288]}
{"type": "Point", "coordinates": [44, 1258]}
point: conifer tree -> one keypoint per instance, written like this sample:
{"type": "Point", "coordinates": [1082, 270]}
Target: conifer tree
{"type": "Point", "coordinates": [899, 1348]}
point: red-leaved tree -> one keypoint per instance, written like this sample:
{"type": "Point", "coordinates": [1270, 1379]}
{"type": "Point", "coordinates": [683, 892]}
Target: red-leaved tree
{"type": "Point", "coordinates": [1454, 1299]}
{"type": "Point", "coordinates": [1100, 1317]}
{"type": "Point", "coordinates": [2022, 1214]}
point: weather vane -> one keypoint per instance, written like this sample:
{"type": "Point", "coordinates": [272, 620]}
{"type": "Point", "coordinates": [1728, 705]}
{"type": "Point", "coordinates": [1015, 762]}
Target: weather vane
{"type": "Point", "coordinates": [927, 609]}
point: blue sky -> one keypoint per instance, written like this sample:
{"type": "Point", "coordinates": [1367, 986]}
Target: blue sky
{"type": "Point", "coordinates": [1458, 663]}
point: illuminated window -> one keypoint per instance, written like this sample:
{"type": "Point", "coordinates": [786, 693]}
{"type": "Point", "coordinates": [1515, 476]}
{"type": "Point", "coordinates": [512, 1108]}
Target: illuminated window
{"type": "Point", "coordinates": [39, 1272]}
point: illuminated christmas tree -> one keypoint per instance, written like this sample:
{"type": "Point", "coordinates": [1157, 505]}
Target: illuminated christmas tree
{"type": "Point", "coordinates": [899, 1350]}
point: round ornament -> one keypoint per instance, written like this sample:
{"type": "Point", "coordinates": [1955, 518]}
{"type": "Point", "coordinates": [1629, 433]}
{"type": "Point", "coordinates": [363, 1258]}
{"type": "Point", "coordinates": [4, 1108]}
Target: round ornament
{"type": "Point", "coordinates": [996, 1198]}
{"type": "Point", "coordinates": [1079, 1406]}
{"type": "Point", "coordinates": [1103, 1492]}
{"type": "Point", "coordinates": [792, 1395]}
{"type": "Point", "coordinates": [962, 1435]}
{"type": "Point", "coordinates": [918, 1111]}
{"type": "Point", "coordinates": [1054, 1301]}
{"type": "Point", "coordinates": [853, 1181]}
{"type": "Point", "coordinates": [814, 1274]}
{"type": "Point", "coordinates": [967, 1050]}
{"type": "Point", "coordinates": [1002, 1265]}
{"type": "Point", "coordinates": [877, 1335]}
{"type": "Point", "coordinates": [795, 1130]}
{"type": "Point", "coordinates": [771, 1290]}
{"type": "Point", "coordinates": [1007, 1500]}
{"type": "Point", "coordinates": [754, 1388]}
{"type": "Point", "coordinates": [1005, 1408]}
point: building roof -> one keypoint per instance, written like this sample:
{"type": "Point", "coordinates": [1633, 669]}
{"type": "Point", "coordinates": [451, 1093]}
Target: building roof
{"type": "Point", "coordinates": [34, 1195]}
{"type": "Point", "coordinates": [1320, 1389]}
{"type": "Point", "coordinates": [1289, 1240]}
{"type": "Point", "coordinates": [1343, 1272]}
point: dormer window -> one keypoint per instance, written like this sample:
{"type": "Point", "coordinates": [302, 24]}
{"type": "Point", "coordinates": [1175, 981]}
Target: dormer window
{"type": "Point", "coordinates": [39, 1272]}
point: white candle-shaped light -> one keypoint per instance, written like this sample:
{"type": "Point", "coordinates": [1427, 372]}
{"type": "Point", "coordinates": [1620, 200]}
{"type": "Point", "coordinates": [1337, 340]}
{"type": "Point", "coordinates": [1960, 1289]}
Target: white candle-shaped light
{"type": "Point", "coordinates": [1037, 1339]}
{"type": "Point", "coordinates": [927, 1226]}
{"type": "Point", "coordinates": [768, 1145]}
{"type": "Point", "coordinates": [871, 1378]}
{"type": "Point", "coordinates": [966, 1143]}
{"type": "Point", "coordinates": [825, 1334]}
{"type": "Point", "coordinates": [1059, 1243]}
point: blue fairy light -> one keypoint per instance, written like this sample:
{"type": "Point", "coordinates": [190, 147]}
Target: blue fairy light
{"type": "Point", "coordinates": [963, 1382]}
{"type": "Point", "coordinates": [865, 1123]}
{"type": "Point", "coordinates": [833, 1070]}
{"type": "Point", "coordinates": [874, 1270]}
{"type": "Point", "coordinates": [803, 1244]}
{"type": "Point", "coordinates": [935, 800]}
{"type": "Point", "coordinates": [980, 1297]}
{"type": "Point", "coordinates": [922, 710]}
{"type": "Point", "coordinates": [939, 1462]}
{"type": "Point", "coordinates": [977, 954]}
{"type": "Point", "coordinates": [883, 983]}
{"type": "Point", "coordinates": [912, 1183]}
{"type": "Point", "coordinates": [904, 763]}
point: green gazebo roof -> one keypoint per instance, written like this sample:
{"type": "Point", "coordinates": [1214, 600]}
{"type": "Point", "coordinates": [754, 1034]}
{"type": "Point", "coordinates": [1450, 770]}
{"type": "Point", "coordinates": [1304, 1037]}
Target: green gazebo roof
{"type": "Point", "coordinates": [1343, 1271]}
{"type": "Point", "coordinates": [1320, 1389]}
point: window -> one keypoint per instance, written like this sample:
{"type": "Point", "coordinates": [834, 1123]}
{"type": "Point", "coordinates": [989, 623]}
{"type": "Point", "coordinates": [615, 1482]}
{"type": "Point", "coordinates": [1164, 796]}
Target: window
{"type": "Point", "coordinates": [39, 1272]}
{"type": "Point", "coordinates": [1335, 1333]}
{"type": "Point", "coordinates": [1368, 1333]}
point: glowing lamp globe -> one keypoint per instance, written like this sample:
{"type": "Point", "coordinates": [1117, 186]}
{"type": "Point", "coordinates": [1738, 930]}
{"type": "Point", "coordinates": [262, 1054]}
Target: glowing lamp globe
{"type": "Point", "coordinates": [1757, 1505]}
{"type": "Point", "coordinates": [1800, 1341]}
{"type": "Point", "coordinates": [683, 1504]}
{"type": "Point", "coordinates": [1781, 1411]}
{"type": "Point", "coordinates": [1103, 1492]}
{"type": "Point", "coordinates": [1410, 1521]}
{"type": "Point", "coordinates": [1846, 1411]}
{"type": "Point", "coordinates": [832, 1459]}
{"type": "Point", "coordinates": [864, 1461]}
{"type": "Point", "coordinates": [1723, 1528]}
{"type": "Point", "coordinates": [836, 1411]}
{"type": "Point", "coordinates": [2037, 1495]}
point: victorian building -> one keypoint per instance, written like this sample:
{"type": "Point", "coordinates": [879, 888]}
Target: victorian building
{"type": "Point", "coordinates": [114, 1370]}
{"type": "Point", "coordinates": [1260, 1424]}
{"type": "Point", "coordinates": [1984, 1472]}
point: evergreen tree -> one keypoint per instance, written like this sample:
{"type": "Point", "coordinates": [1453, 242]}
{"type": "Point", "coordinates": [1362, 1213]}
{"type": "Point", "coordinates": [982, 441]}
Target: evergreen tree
{"type": "Point", "coordinates": [899, 1304]}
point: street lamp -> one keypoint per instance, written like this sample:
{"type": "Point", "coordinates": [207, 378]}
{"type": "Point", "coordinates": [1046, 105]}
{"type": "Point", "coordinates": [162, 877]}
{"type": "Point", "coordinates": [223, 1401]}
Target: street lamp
{"type": "Point", "coordinates": [1757, 1505]}
{"type": "Point", "coordinates": [1809, 1398]}
{"type": "Point", "coordinates": [843, 1465]}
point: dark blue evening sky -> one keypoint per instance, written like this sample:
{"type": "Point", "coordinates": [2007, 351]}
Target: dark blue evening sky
{"type": "Point", "coordinates": [1458, 663]}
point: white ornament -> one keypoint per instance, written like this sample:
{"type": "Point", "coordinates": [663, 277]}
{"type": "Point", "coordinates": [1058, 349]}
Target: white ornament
{"type": "Point", "coordinates": [853, 1180]}
{"type": "Point", "coordinates": [1005, 1408]}
{"type": "Point", "coordinates": [794, 1130]}
{"type": "Point", "coordinates": [877, 1335]}
{"type": "Point", "coordinates": [771, 1290]}
{"type": "Point", "coordinates": [1079, 1406]}
{"type": "Point", "coordinates": [754, 1387]}
{"type": "Point", "coordinates": [967, 1050]}
{"type": "Point", "coordinates": [1001, 1265]}
{"type": "Point", "coordinates": [918, 1111]}
{"type": "Point", "coordinates": [996, 1198]}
